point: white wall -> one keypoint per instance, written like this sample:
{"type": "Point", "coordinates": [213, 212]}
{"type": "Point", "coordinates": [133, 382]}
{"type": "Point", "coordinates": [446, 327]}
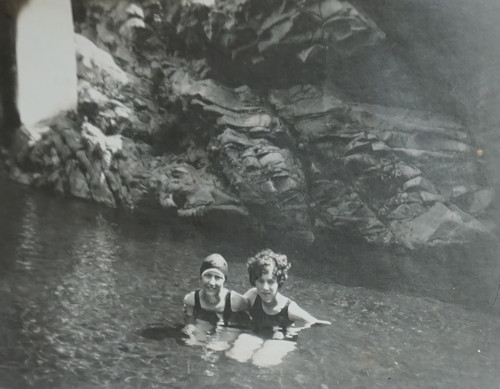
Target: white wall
{"type": "Point", "coordinates": [46, 63]}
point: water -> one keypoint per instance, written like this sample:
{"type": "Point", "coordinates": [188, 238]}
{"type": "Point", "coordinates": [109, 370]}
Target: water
{"type": "Point", "coordinates": [83, 287]}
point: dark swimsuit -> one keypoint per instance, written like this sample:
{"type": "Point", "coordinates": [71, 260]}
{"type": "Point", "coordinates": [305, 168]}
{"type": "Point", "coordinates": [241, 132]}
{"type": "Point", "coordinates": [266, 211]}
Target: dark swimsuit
{"type": "Point", "coordinates": [261, 319]}
{"type": "Point", "coordinates": [211, 316]}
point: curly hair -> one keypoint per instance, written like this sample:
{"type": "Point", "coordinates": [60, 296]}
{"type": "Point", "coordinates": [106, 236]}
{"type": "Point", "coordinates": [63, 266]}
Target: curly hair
{"type": "Point", "coordinates": [267, 260]}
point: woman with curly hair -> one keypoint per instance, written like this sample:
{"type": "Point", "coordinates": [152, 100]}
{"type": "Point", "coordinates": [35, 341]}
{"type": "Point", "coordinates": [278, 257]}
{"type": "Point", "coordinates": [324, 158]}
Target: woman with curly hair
{"type": "Point", "coordinates": [273, 315]}
{"type": "Point", "coordinates": [269, 309]}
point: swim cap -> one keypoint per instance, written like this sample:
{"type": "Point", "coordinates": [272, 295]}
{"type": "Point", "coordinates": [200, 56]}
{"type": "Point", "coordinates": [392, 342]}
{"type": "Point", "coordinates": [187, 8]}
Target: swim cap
{"type": "Point", "coordinates": [214, 262]}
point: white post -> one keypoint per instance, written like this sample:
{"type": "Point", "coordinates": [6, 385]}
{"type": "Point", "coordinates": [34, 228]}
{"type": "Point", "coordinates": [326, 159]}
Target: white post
{"type": "Point", "coordinates": [46, 63]}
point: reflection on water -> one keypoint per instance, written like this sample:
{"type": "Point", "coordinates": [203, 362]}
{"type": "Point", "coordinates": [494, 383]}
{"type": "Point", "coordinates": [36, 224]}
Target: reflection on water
{"type": "Point", "coordinates": [92, 298]}
{"type": "Point", "coordinates": [91, 284]}
{"type": "Point", "coordinates": [29, 244]}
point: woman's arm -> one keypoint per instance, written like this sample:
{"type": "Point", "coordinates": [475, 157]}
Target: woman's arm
{"type": "Point", "coordinates": [239, 302]}
{"type": "Point", "coordinates": [297, 313]}
{"type": "Point", "coordinates": [189, 308]}
{"type": "Point", "coordinates": [250, 295]}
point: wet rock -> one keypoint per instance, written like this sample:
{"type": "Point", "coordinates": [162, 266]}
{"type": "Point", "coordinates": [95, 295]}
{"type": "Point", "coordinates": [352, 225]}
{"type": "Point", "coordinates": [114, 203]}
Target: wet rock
{"type": "Point", "coordinates": [68, 161]}
{"type": "Point", "coordinates": [78, 186]}
{"type": "Point", "coordinates": [99, 188]}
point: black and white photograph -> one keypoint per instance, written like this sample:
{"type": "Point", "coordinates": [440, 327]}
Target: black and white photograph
{"type": "Point", "coordinates": [249, 194]}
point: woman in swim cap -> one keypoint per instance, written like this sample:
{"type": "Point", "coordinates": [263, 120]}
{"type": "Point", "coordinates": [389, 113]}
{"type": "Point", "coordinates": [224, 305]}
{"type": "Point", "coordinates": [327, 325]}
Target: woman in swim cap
{"type": "Point", "coordinates": [213, 303]}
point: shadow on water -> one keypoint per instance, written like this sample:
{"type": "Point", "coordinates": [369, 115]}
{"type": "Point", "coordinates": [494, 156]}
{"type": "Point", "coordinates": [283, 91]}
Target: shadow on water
{"type": "Point", "coordinates": [161, 331]}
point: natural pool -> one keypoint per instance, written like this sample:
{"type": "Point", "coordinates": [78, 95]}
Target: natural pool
{"type": "Point", "coordinates": [81, 287]}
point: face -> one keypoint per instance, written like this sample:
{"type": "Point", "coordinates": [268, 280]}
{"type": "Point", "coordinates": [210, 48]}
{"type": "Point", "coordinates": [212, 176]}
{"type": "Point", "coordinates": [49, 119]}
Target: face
{"type": "Point", "coordinates": [267, 286]}
{"type": "Point", "coordinates": [212, 282]}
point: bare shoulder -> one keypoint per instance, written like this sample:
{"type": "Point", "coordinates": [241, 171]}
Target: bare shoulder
{"type": "Point", "coordinates": [235, 296]}
{"type": "Point", "coordinates": [292, 304]}
{"type": "Point", "coordinates": [283, 300]}
{"type": "Point", "coordinates": [238, 302]}
{"type": "Point", "coordinates": [251, 295]}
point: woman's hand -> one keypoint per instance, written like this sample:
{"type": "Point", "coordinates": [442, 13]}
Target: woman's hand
{"type": "Point", "coordinates": [278, 335]}
{"type": "Point", "coordinates": [318, 322]}
{"type": "Point", "coordinates": [189, 330]}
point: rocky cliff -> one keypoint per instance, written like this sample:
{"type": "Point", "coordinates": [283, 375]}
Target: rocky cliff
{"type": "Point", "coordinates": [271, 112]}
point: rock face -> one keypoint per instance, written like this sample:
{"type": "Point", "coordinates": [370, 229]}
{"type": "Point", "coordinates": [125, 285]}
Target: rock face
{"type": "Point", "coordinates": [254, 30]}
{"type": "Point", "coordinates": [387, 173]}
{"type": "Point", "coordinates": [268, 179]}
{"type": "Point", "coordinates": [112, 99]}
{"type": "Point", "coordinates": [210, 108]}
